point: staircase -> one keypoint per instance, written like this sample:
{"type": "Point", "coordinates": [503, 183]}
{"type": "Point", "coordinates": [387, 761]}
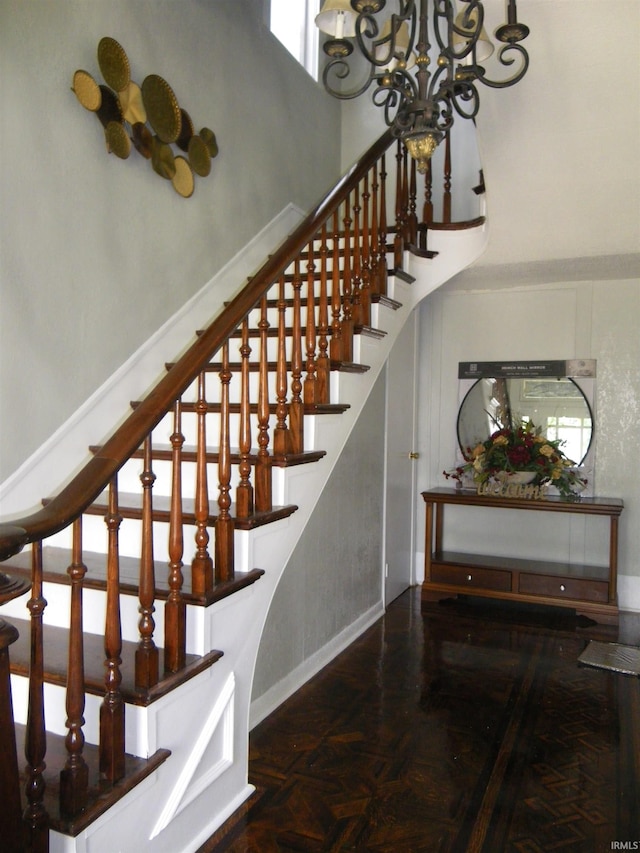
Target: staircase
{"type": "Point", "coordinates": [148, 578]}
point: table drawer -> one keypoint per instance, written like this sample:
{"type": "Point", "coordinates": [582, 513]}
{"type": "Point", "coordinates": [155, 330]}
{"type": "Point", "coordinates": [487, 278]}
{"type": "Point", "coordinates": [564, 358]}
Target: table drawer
{"type": "Point", "coordinates": [471, 577]}
{"type": "Point", "coordinates": [563, 587]}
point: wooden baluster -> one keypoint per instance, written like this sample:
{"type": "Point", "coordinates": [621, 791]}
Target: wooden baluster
{"type": "Point", "coordinates": [35, 814]}
{"type": "Point", "coordinates": [147, 657]}
{"type": "Point", "coordinates": [263, 464]}
{"type": "Point", "coordinates": [427, 210]}
{"type": "Point", "coordinates": [446, 201]}
{"type": "Point", "coordinates": [374, 272]}
{"type": "Point", "coordinates": [365, 287]}
{"type": "Point", "coordinates": [310, 382]}
{"type": "Point", "coordinates": [11, 826]}
{"type": "Point", "coordinates": [323, 364]}
{"type": "Point", "coordinates": [202, 564]}
{"type": "Point", "coordinates": [383, 269]}
{"type": "Point", "coordinates": [112, 708]}
{"type": "Point", "coordinates": [335, 347]}
{"type": "Point", "coordinates": [398, 243]}
{"type": "Point", "coordinates": [244, 491]}
{"type": "Point", "coordinates": [74, 777]}
{"type": "Point", "coordinates": [356, 278]}
{"type": "Point", "coordinates": [347, 316]}
{"type": "Point", "coordinates": [412, 221]}
{"type": "Point", "coordinates": [281, 436]}
{"type": "Point", "coordinates": [224, 521]}
{"type": "Point", "coordinates": [175, 607]}
{"type": "Point", "coordinates": [296, 408]}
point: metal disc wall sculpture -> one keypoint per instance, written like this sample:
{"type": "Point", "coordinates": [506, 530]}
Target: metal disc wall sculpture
{"type": "Point", "coordinates": [147, 118]}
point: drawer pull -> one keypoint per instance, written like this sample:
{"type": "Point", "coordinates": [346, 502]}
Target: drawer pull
{"type": "Point", "coordinates": [562, 587]}
{"type": "Point", "coordinates": [469, 577]}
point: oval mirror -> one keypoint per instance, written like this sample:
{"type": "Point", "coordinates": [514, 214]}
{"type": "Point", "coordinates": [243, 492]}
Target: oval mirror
{"type": "Point", "coordinates": [557, 405]}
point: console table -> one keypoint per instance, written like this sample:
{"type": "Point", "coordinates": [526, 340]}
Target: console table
{"type": "Point", "coordinates": [590, 590]}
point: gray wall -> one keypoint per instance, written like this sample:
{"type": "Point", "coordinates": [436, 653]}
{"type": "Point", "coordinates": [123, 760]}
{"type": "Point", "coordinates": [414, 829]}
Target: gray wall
{"type": "Point", "coordinates": [335, 572]}
{"type": "Point", "coordinates": [97, 253]}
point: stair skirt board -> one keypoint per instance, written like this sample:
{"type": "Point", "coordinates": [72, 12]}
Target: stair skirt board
{"type": "Point", "coordinates": [205, 778]}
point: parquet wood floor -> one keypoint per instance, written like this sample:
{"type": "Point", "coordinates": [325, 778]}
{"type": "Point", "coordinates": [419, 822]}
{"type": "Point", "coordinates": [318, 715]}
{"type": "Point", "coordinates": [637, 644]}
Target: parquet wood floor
{"type": "Point", "coordinates": [447, 729]}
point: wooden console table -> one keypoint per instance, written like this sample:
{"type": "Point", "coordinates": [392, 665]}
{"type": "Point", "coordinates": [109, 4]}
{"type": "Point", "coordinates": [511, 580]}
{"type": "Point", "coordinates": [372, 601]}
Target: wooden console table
{"type": "Point", "coordinates": [588, 589]}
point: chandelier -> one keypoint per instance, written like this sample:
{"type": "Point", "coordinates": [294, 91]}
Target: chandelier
{"type": "Point", "coordinates": [419, 103]}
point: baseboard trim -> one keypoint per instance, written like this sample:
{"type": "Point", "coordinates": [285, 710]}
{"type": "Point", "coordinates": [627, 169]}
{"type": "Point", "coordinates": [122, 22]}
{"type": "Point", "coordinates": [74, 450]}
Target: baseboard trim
{"type": "Point", "coordinates": [284, 689]}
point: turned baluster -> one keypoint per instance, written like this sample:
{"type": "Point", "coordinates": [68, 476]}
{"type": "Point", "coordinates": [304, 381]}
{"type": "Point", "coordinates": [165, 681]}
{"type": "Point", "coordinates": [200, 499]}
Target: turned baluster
{"type": "Point", "coordinates": [347, 315]}
{"type": "Point", "coordinates": [112, 708]}
{"type": "Point", "coordinates": [398, 242]}
{"type": "Point", "coordinates": [147, 658]}
{"type": "Point", "coordinates": [244, 491]}
{"type": "Point", "coordinates": [263, 463]}
{"type": "Point", "coordinates": [35, 814]}
{"type": "Point", "coordinates": [427, 210]}
{"type": "Point", "coordinates": [383, 269]}
{"type": "Point", "coordinates": [224, 522]}
{"type": "Point", "coordinates": [335, 347]}
{"type": "Point", "coordinates": [202, 564]}
{"type": "Point", "coordinates": [74, 777]}
{"type": "Point", "coordinates": [281, 437]}
{"type": "Point", "coordinates": [356, 278]}
{"type": "Point", "coordinates": [175, 607]}
{"type": "Point", "coordinates": [296, 407]}
{"type": "Point", "coordinates": [374, 272]}
{"type": "Point", "coordinates": [365, 287]}
{"type": "Point", "coordinates": [11, 826]}
{"type": "Point", "coordinates": [323, 364]}
{"type": "Point", "coordinates": [446, 201]}
{"type": "Point", "coordinates": [412, 218]}
{"type": "Point", "coordinates": [310, 381]}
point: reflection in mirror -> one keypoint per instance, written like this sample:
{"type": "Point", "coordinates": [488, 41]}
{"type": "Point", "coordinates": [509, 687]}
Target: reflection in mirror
{"type": "Point", "coordinates": [558, 406]}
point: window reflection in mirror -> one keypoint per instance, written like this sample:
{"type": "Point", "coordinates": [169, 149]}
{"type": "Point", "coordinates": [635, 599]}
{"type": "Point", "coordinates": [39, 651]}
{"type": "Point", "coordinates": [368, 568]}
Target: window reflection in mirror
{"type": "Point", "coordinates": [558, 406]}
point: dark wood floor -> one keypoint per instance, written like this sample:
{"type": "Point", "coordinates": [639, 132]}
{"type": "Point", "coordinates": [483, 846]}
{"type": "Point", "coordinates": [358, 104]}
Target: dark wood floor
{"type": "Point", "coordinates": [450, 727]}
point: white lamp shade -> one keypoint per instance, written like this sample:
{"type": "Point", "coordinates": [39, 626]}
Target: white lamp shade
{"type": "Point", "coordinates": [484, 47]}
{"type": "Point", "coordinates": [337, 18]}
{"type": "Point", "coordinates": [402, 43]}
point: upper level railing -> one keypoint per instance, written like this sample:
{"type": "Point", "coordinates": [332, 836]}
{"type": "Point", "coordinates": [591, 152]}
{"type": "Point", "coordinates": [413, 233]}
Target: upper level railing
{"type": "Point", "coordinates": [319, 285]}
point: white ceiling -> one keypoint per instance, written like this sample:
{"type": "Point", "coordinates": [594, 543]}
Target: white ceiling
{"type": "Point", "coordinates": [561, 150]}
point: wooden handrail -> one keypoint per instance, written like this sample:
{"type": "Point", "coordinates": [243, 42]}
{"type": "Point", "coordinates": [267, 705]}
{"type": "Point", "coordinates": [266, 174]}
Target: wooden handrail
{"type": "Point", "coordinates": [94, 477]}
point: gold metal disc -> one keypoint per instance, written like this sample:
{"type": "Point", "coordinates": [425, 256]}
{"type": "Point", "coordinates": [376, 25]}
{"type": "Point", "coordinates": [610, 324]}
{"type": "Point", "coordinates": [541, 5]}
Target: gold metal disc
{"type": "Point", "coordinates": [210, 140]}
{"type": "Point", "coordinates": [183, 179]}
{"type": "Point", "coordinates": [186, 131]}
{"type": "Point", "coordinates": [199, 157]}
{"type": "Point", "coordinates": [162, 159]}
{"type": "Point", "coordinates": [118, 142]}
{"type": "Point", "coordinates": [110, 109]}
{"type": "Point", "coordinates": [114, 64]}
{"type": "Point", "coordinates": [163, 112]}
{"type": "Point", "coordinates": [131, 103]}
{"type": "Point", "coordinates": [142, 139]}
{"type": "Point", "coordinates": [87, 90]}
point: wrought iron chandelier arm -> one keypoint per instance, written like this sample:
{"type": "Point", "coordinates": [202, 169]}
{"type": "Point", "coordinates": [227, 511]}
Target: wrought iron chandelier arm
{"type": "Point", "coordinates": [508, 60]}
{"type": "Point", "coordinates": [339, 69]}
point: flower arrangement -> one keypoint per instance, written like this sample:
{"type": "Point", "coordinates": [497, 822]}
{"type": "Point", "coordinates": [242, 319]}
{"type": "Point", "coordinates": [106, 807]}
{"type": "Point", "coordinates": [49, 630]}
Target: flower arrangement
{"type": "Point", "coordinates": [522, 447]}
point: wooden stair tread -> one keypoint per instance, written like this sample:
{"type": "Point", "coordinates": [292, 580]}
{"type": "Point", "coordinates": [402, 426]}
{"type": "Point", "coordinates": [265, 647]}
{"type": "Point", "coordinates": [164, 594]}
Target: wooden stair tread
{"type": "Point", "coordinates": [130, 506]}
{"type": "Point", "coordinates": [254, 366]}
{"type": "Point", "coordinates": [55, 664]}
{"type": "Point", "coordinates": [164, 452]}
{"type": "Point", "coordinates": [102, 794]}
{"type": "Point", "coordinates": [55, 562]}
{"type": "Point", "coordinates": [234, 408]}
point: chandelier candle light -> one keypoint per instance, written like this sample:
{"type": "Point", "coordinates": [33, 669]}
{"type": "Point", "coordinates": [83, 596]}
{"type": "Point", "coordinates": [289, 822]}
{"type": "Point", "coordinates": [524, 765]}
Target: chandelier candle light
{"type": "Point", "coordinates": [419, 104]}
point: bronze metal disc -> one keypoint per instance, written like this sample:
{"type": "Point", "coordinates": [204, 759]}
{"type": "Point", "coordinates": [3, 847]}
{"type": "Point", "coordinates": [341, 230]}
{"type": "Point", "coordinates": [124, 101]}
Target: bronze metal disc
{"type": "Point", "coordinates": [114, 64]}
{"type": "Point", "coordinates": [118, 142]}
{"type": "Point", "coordinates": [162, 108]}
{"type": "Point", "coordinates": [199, 157]}
{"type": "Point", "coordinates": [87, 90]}
{"type": "Point", "coordinates": [162, 159]}
{"type": "Point", "coordinates": [210, 140]}
{"type": "Point", "coordinates": [186, 131]}
{"type": "Point", "coordinates": [110, 109]}
{"type": "Point", "coordinates": [183, 179]}
{"type": "Point", "coordinates": [142, 139]}
{"type": "Point", "coordinates": [131, 103]}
